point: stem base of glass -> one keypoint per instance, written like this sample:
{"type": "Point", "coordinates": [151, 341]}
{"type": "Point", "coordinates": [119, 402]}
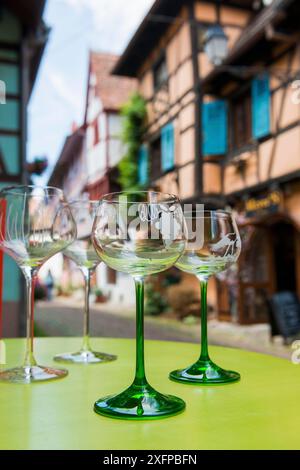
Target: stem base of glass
{"type": "Point", "coordinates": [85, 357]}
{"type": "Point", "coordinates": [139, 402]}
{"type": "Point", "coordinates": [204, 373]}
{"type": "Point", "coordinates": [30, 374]}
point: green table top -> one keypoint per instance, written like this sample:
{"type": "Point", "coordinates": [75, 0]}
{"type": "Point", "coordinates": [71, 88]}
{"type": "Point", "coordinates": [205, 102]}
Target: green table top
{"type": "Point", "coordinates": [260, 412]}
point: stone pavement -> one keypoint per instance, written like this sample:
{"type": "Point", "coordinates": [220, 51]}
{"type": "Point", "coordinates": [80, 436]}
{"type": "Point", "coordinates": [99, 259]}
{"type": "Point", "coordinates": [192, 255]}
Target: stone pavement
{"type": "Point", "coordinates": [63, 317]}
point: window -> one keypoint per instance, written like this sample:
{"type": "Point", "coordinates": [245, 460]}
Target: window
{"type": "Point", "coordinates": [167, 147]}
{"type": "Point", "coordinates": [160, 72]}
{"type": "Point", "coordinates": [111, 276]}
{"type": "Point", "coordinates": [214, 128]}
{"type": "Point", "coordinates": [241, 120]}
{"type": "Point", "coordinates": [143, 162]}
{"type": "Point", "coordinates": [155, 158]}
{"type": "Point", "coordinates": [261, 106]}
{"type": "Point", "coordinates": [96, 132]}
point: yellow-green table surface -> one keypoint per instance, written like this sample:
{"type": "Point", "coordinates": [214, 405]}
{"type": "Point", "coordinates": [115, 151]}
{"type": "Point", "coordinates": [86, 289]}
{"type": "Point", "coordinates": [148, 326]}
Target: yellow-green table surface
{"type": "Point", "coordinates": [262, 411]}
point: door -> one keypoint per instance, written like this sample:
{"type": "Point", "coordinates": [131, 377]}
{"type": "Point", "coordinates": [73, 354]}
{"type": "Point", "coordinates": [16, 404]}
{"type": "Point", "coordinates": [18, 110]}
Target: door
{"type": "Point", "coordinates": [268, 265]}
{"type": "Point", "coordinates": [256, 273]}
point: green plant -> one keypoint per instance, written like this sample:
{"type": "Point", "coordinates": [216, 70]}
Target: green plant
{"type": "Point", "coordinates": [65, 291]}
{"type": "Point", "coordinates": [172, 277]}
{"type": "Point", "coordinates": [98, 292]}
{"type": "Point", "coordinates": [155, 303]}
{"type": "Point", "coordinates": [184, 301]}
{"type": "Point", "coordinates": [134, 114]}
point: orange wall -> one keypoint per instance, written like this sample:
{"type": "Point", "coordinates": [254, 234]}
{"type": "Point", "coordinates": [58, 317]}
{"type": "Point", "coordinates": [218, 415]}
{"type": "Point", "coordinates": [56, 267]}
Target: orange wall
{"type": "Point", "coordinates": [177, 103]}
{"type": "Point", "coordinates": [273, 158]}
{"type": "Point", "coordinates": [212, 181]}
{"type": "Point", "coordinates": [233, 22]}
{"type": "Point", "coordinates": [277, 156]}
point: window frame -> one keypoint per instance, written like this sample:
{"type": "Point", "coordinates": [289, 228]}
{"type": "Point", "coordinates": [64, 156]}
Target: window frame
{"type": "Point", "coordinates": [156, 159]}
{"type": "Point", "coordinates": [245, 92]}
{"type": "Point", "coordinates": [159, 61]}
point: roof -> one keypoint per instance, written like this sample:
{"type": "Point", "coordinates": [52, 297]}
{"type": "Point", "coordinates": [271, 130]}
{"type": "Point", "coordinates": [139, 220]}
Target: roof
{"type": "Point", "coordinates": [29, 12]}
{"type": "Point", "coordinates": [71, 150]}
{"type": "Point", "coordinates": [151, 29]}
{"type": "Point", "coordinates": [113, 91]}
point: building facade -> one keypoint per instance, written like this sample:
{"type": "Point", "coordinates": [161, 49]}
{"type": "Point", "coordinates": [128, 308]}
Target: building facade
{"type": "Point", "coordinates": [23, 36]}
{"type": "Point", "coordinates": [88, 161]}
{"type": "Point", "coordinates": [226, 132]}
{"type": "Point", "coordinates": [104, 149]}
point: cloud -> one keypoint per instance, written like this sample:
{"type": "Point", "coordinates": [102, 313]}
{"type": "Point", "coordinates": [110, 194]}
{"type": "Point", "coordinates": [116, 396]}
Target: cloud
{"type": "Point", "coordinates": [61, 88]}
{"type": "Point", "coordinates": [113, 21]}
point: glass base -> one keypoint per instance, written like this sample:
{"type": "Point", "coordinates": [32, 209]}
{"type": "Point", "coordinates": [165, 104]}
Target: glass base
{"type": "Point", "coordinates": [27, 375]}
{"type": "Point", "coordinates": [204, 373]}
{"type": "Point", "coordinates": [85, 357]}
{"type": "Point", "coordinates": [139, 402]}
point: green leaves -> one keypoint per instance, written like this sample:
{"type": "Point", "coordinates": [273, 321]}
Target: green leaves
{"type": "Point", "coordinates": [134, 115]}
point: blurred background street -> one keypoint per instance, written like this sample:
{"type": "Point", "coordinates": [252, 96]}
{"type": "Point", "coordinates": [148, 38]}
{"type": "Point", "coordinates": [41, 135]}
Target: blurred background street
{"type": "Point", "coordinates": [63, 317]}
{"type": "Point", "coordinates": [195, 98]}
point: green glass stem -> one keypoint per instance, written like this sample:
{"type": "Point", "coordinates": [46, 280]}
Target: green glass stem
{"type": "Point", "coordinates": [204, 371]}
{"type": "Point", "coordinates": [140, 376]}
{"type": "Point", "coordinates": [139, 400]}
{"type": "Point", "coordinates": [204, 356]}
{"type": "Point", "coordinates": [30, 275]}
{"type": "Point", "coordinates": [87, 273]}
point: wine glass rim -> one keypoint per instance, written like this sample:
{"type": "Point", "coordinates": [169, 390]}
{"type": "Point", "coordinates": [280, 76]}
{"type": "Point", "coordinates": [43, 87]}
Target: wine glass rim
{"type": "Point", "coordinates": [112, 197]}
{"type": "Point", "coordinates": [14, 189]}
{"type": "Point", "coordinates": [207, 214]}
{"type": "Point", "coordinates": [83, 201]}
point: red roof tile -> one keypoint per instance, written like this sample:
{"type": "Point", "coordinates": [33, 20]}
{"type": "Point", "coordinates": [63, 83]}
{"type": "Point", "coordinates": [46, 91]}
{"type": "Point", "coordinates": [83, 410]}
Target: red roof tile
{"type": "Point", "coordinates": [113, 91]}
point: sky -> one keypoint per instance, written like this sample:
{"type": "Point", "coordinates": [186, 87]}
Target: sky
{"type": "Point", "coordinates": [59, 94]}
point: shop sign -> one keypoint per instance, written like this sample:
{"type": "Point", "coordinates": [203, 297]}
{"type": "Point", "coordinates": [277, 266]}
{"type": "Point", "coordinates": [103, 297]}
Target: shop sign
{"type": "Point", "coordinates": [266, 203]}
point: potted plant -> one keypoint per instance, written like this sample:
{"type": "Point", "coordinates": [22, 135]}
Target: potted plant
{"type": "Point", "coordinates": [100, 297]}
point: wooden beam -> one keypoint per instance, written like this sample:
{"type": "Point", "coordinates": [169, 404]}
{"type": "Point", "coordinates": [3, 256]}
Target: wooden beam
{"type": "Point", "coordinates": [198, 178]}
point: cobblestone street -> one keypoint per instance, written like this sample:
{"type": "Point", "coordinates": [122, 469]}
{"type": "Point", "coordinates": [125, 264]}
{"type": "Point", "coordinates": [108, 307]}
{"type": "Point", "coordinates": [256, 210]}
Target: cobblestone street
{"type": "Point", "coordinates": [63, 317]}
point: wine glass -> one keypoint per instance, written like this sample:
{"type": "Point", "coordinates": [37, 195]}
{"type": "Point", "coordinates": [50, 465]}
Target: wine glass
{"type": "Point", "coordinates": [139, 233]}
{"type": "Point", "coordinates": [213, 246]}
{"type": "Point", "coordinates": [36, 223]}
{"type": "Point", "coordinates": [82, 252]}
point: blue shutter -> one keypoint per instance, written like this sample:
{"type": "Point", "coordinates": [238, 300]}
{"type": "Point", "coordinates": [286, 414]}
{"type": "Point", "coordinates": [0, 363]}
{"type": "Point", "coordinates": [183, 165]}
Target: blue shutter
{"type": "Point", "coordinates": [214, 128]}
{"type": "Point", "coordinates": [10, 153]}
{"type": "Point", "coordinates": [261, 101]}
{"type": "Point", "coordinates": [11, 280]}
{"type": "Point", "coordinates": [143, 159]}
{"type": "Point", "coordinates": [167, 147]}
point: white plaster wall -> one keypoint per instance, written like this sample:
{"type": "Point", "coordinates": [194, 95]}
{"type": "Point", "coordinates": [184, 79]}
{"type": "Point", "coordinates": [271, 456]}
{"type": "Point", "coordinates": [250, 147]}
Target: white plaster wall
{"type": "Point", "coordinates": [116, 151]}
{"type": "Point", "coordinates": [120, 293]}
{"type": "Point", "coordinates": [96, 159]}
